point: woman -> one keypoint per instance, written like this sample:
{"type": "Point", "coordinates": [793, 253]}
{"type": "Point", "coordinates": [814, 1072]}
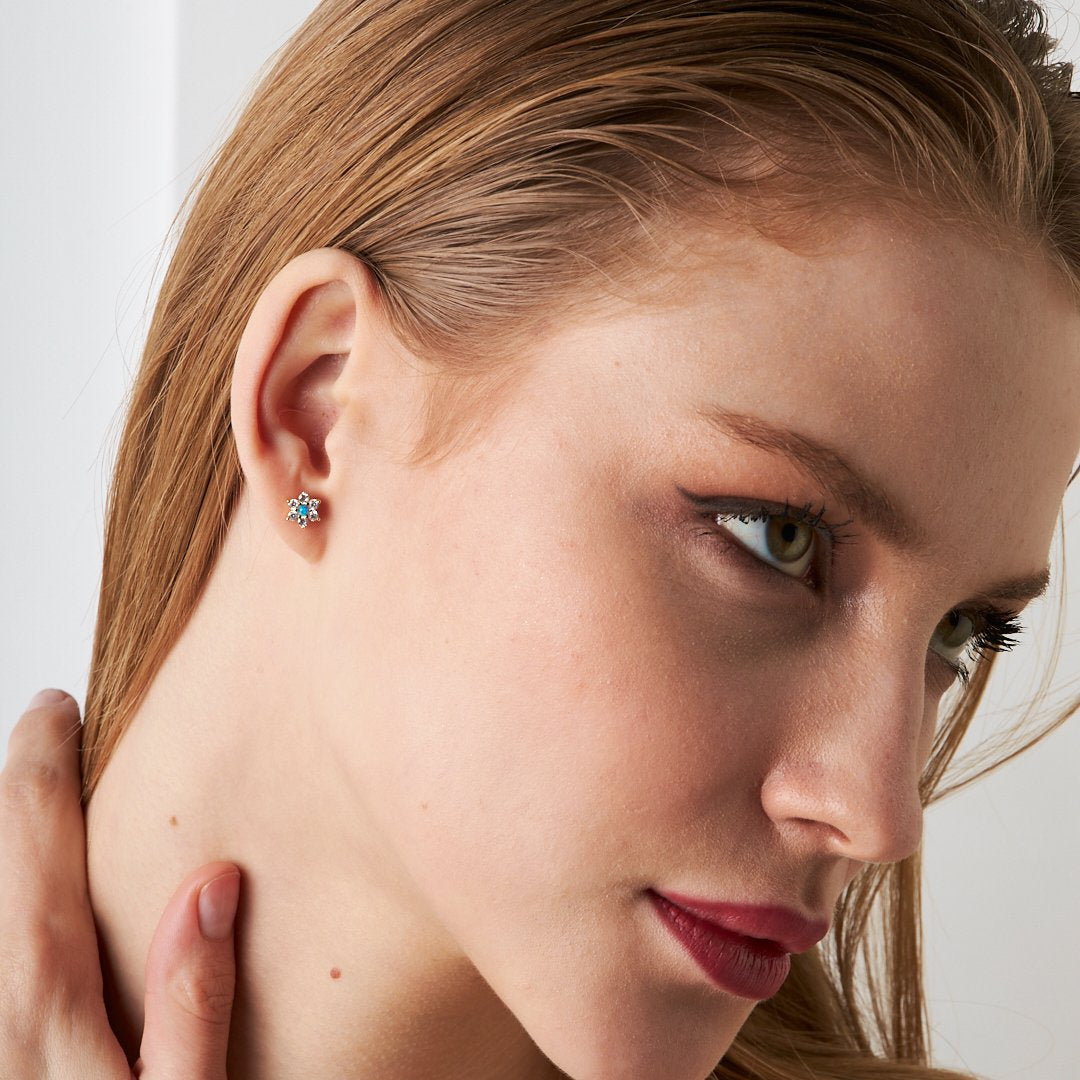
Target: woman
{"type": "Point", "coordinates": [577, 449]}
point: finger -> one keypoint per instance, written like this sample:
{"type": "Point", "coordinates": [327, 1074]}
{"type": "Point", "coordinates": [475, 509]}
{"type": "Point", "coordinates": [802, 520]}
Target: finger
{"type": "Point", "coordinates": [43, 888]}
{"type": "Point", "coordinates": [191, 979]}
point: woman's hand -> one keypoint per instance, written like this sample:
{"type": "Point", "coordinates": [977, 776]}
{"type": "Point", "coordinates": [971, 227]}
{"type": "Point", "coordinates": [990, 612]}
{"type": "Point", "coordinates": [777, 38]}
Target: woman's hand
{"type": "Point", "coordinates": [53, 1022]}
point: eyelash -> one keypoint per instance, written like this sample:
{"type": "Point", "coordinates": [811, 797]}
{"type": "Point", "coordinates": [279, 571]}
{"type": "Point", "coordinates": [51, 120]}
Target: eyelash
{"type": "Point", "coordinates": [995, 630]}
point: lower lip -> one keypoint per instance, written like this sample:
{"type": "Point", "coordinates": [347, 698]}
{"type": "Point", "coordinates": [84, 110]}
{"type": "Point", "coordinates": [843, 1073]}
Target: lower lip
{"type": "Point", "coordinates": [736, 964]}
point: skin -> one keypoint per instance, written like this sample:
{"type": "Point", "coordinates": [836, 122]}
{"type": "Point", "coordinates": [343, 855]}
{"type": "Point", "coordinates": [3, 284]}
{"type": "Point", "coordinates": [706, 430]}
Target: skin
{"type": "Point", "coordinates": [483, 705]}
{"type": "Point", "coordinates": [53, 1023]}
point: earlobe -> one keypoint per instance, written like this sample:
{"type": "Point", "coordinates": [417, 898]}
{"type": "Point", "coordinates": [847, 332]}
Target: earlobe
{"type": "Point", "coordinates": [286, 395]}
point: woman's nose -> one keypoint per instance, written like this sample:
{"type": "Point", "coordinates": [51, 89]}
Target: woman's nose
{"type": "Point", "coordinates": [845, 772]}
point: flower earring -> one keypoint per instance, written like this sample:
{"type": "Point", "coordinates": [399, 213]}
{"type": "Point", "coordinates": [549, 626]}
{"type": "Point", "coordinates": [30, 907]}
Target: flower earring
{"type": "Point", "coordinates": [303, 509]}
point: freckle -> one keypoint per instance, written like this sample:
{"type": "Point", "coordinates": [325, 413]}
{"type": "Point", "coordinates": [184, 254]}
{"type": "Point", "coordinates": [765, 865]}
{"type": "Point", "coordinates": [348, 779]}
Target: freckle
{"type": "Point", "coordinates": [423, 806]}
{"type": "Point", "coordinates": [172, 820]}
{"type": "Point", "coordinates": [335, 973]}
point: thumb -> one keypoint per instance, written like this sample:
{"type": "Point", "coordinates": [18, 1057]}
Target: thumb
{"type": "Point", "coordinates": [191, 979]}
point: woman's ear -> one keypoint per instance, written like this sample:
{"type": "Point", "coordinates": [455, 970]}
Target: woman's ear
{"type": "Point", "coordinates": [314, 318]}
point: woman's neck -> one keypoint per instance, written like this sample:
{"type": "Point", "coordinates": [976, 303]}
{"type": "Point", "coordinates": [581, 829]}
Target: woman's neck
{"type": "Point", "coordinates": [341, 970]}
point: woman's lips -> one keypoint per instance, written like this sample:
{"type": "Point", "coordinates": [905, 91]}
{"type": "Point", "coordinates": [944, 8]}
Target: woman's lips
{"type": "Point", "coordinates": [746, 966]}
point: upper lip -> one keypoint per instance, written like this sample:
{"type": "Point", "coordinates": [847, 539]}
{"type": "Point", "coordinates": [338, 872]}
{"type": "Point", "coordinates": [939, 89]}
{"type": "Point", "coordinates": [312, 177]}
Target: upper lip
{"type": "Point", "coordinates": [778, 925]}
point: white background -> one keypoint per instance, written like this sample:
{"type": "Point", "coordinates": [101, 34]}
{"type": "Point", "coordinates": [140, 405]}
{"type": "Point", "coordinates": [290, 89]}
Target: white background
{"type": "Point", "coordinates": [107, 111]}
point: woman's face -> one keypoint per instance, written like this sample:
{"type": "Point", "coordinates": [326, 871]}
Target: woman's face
{"type": "Point", "coordinates": [561, 684]}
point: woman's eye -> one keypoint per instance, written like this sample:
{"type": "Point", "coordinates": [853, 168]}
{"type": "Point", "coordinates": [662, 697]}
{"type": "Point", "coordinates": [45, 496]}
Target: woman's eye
{"type": "Point", "coordinates": [990, 631]}
{"type": "Point", "coordinates": [786, 539]}
{"type": "Point", "coordinates": [776, 539]}
{"type": "Point", "coordinates": [956, 632]}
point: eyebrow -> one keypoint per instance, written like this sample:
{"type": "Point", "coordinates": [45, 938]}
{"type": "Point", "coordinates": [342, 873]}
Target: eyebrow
{"type": "Point", "coordinates": [867, 500]}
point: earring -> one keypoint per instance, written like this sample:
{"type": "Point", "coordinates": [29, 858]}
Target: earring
{"type": "Point", "coordinates": [303, 509]}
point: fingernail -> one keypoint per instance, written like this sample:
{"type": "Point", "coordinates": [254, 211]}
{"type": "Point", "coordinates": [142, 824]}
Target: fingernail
{"type": "Point", "coordinates": [217, 905]}
{"type": "Point", "coordinates": [47, 697]}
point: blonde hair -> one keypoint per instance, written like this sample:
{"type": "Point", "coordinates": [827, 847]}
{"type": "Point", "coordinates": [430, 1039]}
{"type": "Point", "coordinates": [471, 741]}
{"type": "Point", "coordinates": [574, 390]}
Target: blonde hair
{"type": "Point", "coordinates": [497, 162]}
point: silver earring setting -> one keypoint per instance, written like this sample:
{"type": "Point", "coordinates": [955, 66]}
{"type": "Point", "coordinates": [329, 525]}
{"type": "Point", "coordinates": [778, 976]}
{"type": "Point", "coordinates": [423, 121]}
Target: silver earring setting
{"type": "Point", "coordinates": [303, 509]}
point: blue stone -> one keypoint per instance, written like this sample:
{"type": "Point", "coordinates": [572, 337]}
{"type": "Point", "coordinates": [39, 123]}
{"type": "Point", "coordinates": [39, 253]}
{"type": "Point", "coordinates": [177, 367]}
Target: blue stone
{"type": "Point", "coordinates": [302, 510]}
